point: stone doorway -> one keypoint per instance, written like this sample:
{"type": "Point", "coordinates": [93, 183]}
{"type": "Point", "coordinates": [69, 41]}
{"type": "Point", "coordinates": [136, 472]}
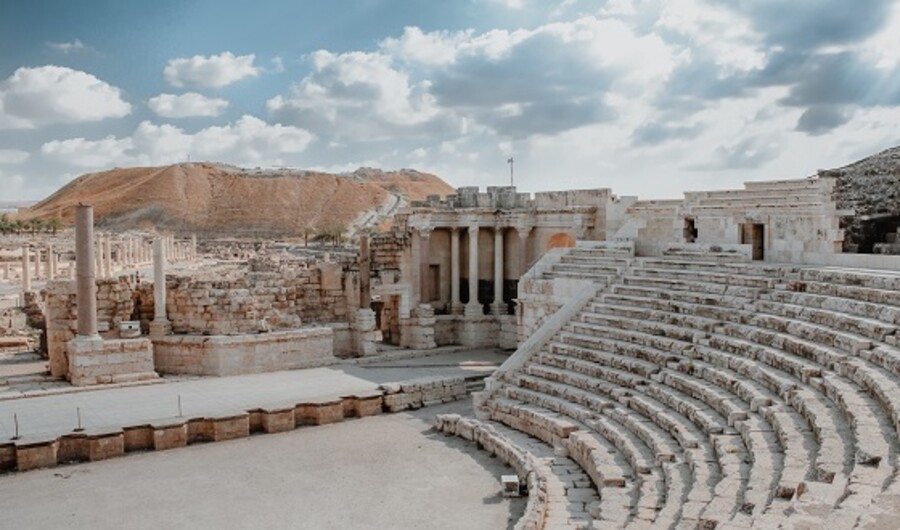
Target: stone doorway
{"type": "Point", "coordinates": [754, 234]}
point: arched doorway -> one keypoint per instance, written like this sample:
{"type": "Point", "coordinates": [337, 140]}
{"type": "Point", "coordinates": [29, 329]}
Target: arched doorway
{"type": "Point", "coordinates": [561, 240]}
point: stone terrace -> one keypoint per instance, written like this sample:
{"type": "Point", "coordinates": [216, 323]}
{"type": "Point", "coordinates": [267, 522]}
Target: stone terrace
{"type": "Point", "coordinates": [710, 391]}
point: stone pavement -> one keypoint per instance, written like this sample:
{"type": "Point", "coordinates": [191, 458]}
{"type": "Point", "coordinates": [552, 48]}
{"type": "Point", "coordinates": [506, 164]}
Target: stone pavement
{"type": "Point", "coordinates": [382, 472]}
{"type": "Point", "coordinates": [56, 414]}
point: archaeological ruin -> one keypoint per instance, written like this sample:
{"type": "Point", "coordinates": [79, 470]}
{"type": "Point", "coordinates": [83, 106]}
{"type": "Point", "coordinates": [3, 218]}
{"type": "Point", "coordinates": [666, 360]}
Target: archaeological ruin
{"type": "Point", "coordinates": [730, 359]}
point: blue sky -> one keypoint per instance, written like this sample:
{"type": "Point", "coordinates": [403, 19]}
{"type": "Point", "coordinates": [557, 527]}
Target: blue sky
{"type": "Point", "coordinates": [648, 97]}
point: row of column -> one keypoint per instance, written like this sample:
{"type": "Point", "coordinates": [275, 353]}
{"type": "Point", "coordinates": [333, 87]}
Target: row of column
{"type": "Point", "coordinates": [473, 307]}
{"type": "Point", "coordinates": [109, 256]}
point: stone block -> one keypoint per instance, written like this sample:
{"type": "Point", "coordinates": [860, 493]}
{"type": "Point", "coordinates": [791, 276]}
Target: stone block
{"type": "Point", "coordinates": [138, 438]}
{"type": "Point", "coordinates": [170, 435]}
{"type": "Point", "coordinates": [319, 412]}
{"type": "Point", "coordinates": [73, 448]}
{"type": "Point", "coordinates": [231, 427]}
{"type": "Point", "coordinates": [105, 445]}
{"type": "Point", "coordinates": [7, 456]}
{"type": "Point", "coordinates": [200, 430]}
{"type": "Point", "coordinates": [37, 454]}
{"type": "Point", "coordinates": [278, 419]}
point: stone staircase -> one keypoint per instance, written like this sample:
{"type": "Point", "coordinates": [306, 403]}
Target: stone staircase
{"type": "Point", "coordinates": [718, 393]}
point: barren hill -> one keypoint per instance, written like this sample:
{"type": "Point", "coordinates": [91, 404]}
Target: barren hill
{"type": "Point", "coordinates": [215, 199]}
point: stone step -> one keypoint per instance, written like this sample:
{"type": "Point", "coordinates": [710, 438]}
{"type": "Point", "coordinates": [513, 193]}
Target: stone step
{"type": "Point", "coordinates": [694, 286]}
{"type": "Point", "coordinates": [709, 276]}
{"type": "Point", "coordinates": [635, 366]}
{"type": "Point", "coordinates": [644, 352]}
{"type": "Point", "coordinates": [841, 321]}
{"type": "Point", "coordinates": [878, 312]}
{"type": "Point", "coordinates": [869, 279]}
{"type": "Point", "coordinates": [851, 292]}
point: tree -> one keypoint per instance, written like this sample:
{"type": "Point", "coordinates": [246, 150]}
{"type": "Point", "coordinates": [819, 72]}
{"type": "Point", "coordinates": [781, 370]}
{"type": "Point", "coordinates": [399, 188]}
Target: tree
{"type": "Point", "coordinates": [307, 231]}
{"type": "Point", "coordinates": [54, 224]}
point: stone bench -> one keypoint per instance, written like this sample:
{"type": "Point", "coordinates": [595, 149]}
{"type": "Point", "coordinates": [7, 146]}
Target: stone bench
{"type": "Point", "coordinates": [621, 362]}
{"type": "Point", "coordinates": [709, 276]}
{"type": "Point", "coordinates": [882, 280]}
{"type": "Point", "coordinates": [887, 314]}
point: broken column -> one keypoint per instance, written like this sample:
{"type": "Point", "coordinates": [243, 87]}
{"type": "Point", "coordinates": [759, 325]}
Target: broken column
{"type": "Point", "coordinates": [37, 263]}
{"type": "Point", "coordinates": [107, 256]}
{"type": "Point", "coordinates": [160, 324]}
{"type": "Point", "coordinates": [364, 321]}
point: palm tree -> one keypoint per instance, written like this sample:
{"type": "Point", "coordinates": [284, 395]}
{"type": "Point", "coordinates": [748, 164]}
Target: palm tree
{"type": "Point", "coordinates": [54, 224]}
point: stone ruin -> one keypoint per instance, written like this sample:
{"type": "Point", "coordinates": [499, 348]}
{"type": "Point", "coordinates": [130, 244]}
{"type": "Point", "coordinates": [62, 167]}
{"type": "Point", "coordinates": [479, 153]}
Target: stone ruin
{"type": "Point", "coordinates": [726, 360]}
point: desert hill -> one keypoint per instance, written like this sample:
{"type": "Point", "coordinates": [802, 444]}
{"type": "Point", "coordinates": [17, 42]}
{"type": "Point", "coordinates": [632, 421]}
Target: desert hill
{"type": "Point", "coordinates": [215, 199]}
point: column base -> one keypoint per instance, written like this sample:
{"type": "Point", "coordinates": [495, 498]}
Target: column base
{"type": "Point", "coordinates": [499, 309]}
{"type": "Point", "coordinates": [457, 308]}
{"type": "Point", "coordinates": [159, 328]}
{"type": "Point", "coordinates": [473, 309]}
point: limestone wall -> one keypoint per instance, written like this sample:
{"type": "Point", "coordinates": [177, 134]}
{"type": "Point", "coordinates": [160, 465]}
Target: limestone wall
{"type": "Point", "coordinates": [243, 354]}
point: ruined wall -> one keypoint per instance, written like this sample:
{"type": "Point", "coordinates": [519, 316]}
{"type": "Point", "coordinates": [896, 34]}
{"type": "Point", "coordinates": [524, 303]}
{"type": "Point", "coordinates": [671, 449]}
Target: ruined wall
{"type": "Point", "coordinates": [285, 297]}
{"type": "Point", "coordinates": [869, 194]}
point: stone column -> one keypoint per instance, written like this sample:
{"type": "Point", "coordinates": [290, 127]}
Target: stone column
{"type": "Point", "coordinates": [98, 257]}
{"type": "Point", "coordinates": [194, 246]}
{"type": "Point", "coordinates": [85, 261]}
{"type": "Point", "coordinates": [6, 271]}
{"type": "Point", "coordinates": [473, 307]}
{"type": "Point", "coordinates": [48, 265]}
{"type": "Point", "coordinates": [523, 250]}
{"type": "Point", "coordinates": [424, 265]}
{"type": "Point", "coordinates": [499, 307]}
{"type": "Point", "coordinates": [160, 324]}
{"type": "Point", "coordinates": [26, 272]}
{"type": "Point", "coordinates": [54, 263]}
{"type": "Point", "coordinates": [455, 305]}
{"type": "Point", "coordinates": [365, 294]}
{"type": "Point", "coordinates": [37, 263]}
{"type": "Point", "coordinates": [107, 256]}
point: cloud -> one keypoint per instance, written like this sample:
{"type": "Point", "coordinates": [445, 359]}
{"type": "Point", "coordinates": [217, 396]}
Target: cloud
{"type": "Point", "coordinates": [214, 71]}
{"type": "Point", "coordinates": [819, 120]}
{"type": "Point", "coordinates": [516, 84]}
{"type": "Point", "coordinates": [67, 47]}
{"type": "Point", "coordinates": [750, 153]}
{"type": "Point", "coordinates": [107, 152]}
{"type": "Point", "coordinates": [248, 141]}
{"type": "Point", "coordinates": [654, 133]}
{"type": "Point", "coordinates": [186, 105]}
{"type": "Point", "coordinates": [32, 97]}
{"type": "Point", "coordinates": [13, 156]}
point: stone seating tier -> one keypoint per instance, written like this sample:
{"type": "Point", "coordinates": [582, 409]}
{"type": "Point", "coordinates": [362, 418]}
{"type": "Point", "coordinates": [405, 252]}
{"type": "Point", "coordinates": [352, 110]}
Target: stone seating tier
{"type": "Point", "coordinates": [721, 392]}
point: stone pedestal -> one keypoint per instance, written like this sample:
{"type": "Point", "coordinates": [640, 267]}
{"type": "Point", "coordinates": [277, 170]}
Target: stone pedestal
{"type": "Point", "coordinates": [478, 331]}
{"type": "Point", "coordinates": [417, 331]}
{"type": "Point", "coordinates": [93, 361]}
{"type": "Point", "coordinates": [364, 332]}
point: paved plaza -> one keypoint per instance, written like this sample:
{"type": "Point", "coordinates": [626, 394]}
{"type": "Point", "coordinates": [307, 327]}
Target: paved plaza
{"type": "Point", "coordinates": [57, 413]}
{"type": "Point", "coordinates": [389, 471]}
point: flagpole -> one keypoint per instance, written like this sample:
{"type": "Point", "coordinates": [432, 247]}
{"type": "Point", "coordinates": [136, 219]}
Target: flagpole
{"type": "Point", "coordinates": [511, 163]}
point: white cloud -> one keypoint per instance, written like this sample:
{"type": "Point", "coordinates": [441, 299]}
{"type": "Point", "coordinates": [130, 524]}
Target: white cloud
{"type": "Point", "coordinates": [13, 156]}
{"type": "Point", "coordinates": [435, 48]}
{"type": "Point", "coordinates": [214, 71]}
{"type": "Point", "coordinates": [186, 105]}
{"type": "Point", "coordinates": [107, 152]}
{"type": "Point", "coordinates": [67, 47]}
{"type": "Point", "coordinates": [248, 141]}
{"type": "Point", "coordinates": [44, 95]}
{"type": "Point", "coordinates": [716, 30]}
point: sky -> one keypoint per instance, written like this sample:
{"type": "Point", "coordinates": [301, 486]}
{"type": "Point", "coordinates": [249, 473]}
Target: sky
{"type": "Point", "coordinates": [647, 97]}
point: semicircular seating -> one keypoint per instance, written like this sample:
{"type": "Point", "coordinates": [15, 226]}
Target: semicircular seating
{"type": "Point", "coordinates": [719, 394]}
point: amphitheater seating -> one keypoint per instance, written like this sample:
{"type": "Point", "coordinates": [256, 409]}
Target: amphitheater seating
{"type": "Point", "coordinates": [719, 394]}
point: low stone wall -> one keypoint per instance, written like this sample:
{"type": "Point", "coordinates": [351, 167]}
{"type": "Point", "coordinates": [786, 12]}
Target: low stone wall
{"type": "Point", "coordinates": [30, 453]}
{"type": "Point", "coordinates": [531, 469]}
{"type": "Point", "coordinates": [224, 355]}
{"type": "Point", "coordinates": [94, 361]}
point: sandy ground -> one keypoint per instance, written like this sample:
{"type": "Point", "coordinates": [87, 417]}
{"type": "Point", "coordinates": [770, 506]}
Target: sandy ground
{"type": "Point", "coordinates": [390, 471]}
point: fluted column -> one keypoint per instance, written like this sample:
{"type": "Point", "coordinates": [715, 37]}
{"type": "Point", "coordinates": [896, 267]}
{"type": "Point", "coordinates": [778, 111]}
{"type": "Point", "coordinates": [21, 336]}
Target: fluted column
{"type": "Point", "coordinates": [455, 305]}
{"type": "Point", "coordinates": [473, 307]}
{"type": "Point", "coordinates": [499, 306]}
{"type": "Point", "coordinates": [86, 281]}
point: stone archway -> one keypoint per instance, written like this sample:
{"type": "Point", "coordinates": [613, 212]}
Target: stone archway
{"type": "Point", "coordinates": [561, 240]}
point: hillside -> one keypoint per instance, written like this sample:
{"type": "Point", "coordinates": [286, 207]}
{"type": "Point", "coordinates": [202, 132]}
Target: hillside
{"type": "Point", "coordinates": [214, 199]}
